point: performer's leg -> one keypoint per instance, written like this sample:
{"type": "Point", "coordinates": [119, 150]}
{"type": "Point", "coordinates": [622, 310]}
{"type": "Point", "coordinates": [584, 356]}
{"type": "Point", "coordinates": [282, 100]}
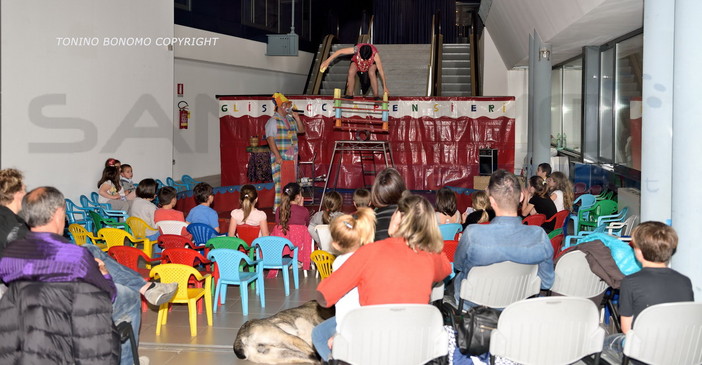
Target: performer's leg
{"type": "Point", "coordinates": [351, 79]}
{"type": "Point", "coordinates": [373, 79]}
{"type": "Point", "coordinates": [275, 169]}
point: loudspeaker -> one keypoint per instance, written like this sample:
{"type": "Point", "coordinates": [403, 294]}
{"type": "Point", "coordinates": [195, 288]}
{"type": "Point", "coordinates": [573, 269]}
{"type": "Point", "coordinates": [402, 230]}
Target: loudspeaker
{"type": "Point", "coordinates": [487, 160]}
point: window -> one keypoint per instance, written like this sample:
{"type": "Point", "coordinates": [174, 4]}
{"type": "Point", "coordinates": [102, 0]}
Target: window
{"type": "Point", "coordinates": [566, 105]}
{"type": "Point", "coordinates": [606, 123]}
{"type": "Point", "coordinates": [627, 110]}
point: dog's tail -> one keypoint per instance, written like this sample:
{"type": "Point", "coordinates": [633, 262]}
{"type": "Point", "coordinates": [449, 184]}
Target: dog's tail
{"type": "Point", "coordinates": [239, 348]}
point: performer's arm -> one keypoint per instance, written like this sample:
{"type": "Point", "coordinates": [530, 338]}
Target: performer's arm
{"type": "Point", "coordinates": [341, 52]}
{"type": "Point", "coordinates": [379, 64]}
{"type": "Point", "coordinates": [300, 126]}
{"type": "Point", "coordinates": [274, 149]}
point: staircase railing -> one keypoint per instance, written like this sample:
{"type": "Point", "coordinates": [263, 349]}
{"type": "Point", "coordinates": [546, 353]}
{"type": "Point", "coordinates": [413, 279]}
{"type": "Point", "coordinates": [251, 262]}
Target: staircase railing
{"type": "Point", "coordinates": [435, 58]}
{"type": "Point", "coordinates": [315, 75]}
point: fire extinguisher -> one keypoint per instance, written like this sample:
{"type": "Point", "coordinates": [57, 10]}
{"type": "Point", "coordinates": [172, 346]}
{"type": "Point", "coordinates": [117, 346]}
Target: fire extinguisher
{"type": "Point", "coordinates": [183, 114]}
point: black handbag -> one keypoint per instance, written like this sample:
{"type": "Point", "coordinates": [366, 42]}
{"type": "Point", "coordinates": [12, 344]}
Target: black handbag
{"type": "Point", "coordinates": [473, 329]}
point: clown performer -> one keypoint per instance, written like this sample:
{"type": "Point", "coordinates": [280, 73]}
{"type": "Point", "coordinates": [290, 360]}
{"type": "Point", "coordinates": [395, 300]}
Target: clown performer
{"type": "Point", "coordinates": [365, 62]}
{"type": "Point", "coordinates": [281, 133]}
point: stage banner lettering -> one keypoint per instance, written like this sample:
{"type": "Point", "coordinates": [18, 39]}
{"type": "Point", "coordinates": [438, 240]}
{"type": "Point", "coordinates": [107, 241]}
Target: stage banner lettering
{"type": "Point", "coordinates": [435, 141]}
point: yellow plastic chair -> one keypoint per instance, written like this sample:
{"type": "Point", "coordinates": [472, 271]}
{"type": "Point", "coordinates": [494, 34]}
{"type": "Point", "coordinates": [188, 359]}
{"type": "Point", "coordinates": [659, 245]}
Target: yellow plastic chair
{"type": "Point", "coordinates": [117, 237]}
{"type": "Point", "coordinates": [81, 235]}
{"type": "Point", "coordinates": [181, 274]}
{"type": "Point", "coordinates": [323, 260]}
{"type": "Point", "coordinates": [138, 227]}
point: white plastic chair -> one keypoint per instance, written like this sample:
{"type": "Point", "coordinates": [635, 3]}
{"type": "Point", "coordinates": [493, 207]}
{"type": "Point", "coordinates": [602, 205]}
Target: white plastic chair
{"type": "Point", "coordinates": [669, 333]}
{"type": "Point", "coordinates": [623, 229]}
{"type": "Point", "coordinates": [574, 277]}
{"type": "Point", "coordinates": [437, 292]}
{"type": "Point", "coordinates": [325, 238]}
{"type": "Point", "coordinates": [391, 334]}
{"type": "Point", "coordinates": [548, 330]}
{"type": "Point", "coordinates": [171, 227]}
{"type": "Point", "coordinates": [499, 285]}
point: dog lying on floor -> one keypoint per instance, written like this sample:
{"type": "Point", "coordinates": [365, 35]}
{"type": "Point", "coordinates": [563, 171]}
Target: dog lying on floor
{"type": "Point", "coordinates": [283, 338]}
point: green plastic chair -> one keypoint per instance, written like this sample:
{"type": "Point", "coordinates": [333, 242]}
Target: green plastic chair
{"type": "Point", "coordinates": [100, 222]}
{"type": "Point", "coordinates": [587, 218]}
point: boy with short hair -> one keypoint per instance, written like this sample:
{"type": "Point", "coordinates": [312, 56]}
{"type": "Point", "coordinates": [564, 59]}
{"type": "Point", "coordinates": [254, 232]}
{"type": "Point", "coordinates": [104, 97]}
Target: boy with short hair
{"type": "Point", "coordinates": [361, 198]}
{"type": "Point", "coordinates": [654, 243]}
{"type": "Point", "coordinates": [543, 170]}
{"type": "Point", "coordinates": [202, 213]}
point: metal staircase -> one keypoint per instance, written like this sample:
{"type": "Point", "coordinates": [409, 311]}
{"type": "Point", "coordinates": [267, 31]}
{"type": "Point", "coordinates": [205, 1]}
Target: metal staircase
{"type": "Point", "coordinates": [455, 70]}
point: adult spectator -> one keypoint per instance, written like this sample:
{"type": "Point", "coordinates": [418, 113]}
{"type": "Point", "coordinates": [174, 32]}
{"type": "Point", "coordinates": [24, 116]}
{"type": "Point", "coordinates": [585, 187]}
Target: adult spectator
{"type": "Point", "coordinates": [505, 238]}
{"type": "Point", "coordinates": [281, 133]}
{"type": "Point", "coordinates": [44, 255]}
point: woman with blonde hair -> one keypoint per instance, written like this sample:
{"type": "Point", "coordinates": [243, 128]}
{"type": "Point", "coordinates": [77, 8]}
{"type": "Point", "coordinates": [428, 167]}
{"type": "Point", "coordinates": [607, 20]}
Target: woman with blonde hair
{"type": "Point", "coordinates": [482, 211]}
{"type": "Point", "coordinates": [560, 190]}
{"type": "Point", "coordinates": [399, 269]}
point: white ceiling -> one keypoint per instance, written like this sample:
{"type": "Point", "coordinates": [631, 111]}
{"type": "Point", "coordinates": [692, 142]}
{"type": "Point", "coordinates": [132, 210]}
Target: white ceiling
{"type": "Point", "coordinates": [567, 25]}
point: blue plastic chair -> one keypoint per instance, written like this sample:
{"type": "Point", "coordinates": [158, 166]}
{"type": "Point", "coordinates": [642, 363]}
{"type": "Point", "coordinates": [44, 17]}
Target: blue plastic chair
{"type": "Point", "coordinates": [228, 262]}
{"type": "Point", "coordinates": [186, 179]}
{"type": "Point", "coordinates": [159, 184]}
{"type": "Point", "coordinates": [585, 201]}
{"type": "Point", "coordinates": [172, 183]}
{"type": "Point", "coordinates": [201, 233]}
{"type": "Point", "coordinates": [450, 230]}
{"type": "Point", "coordinates": [78, 215]}
{"type": "Point", "coordinates": [89, 204]}
{"type": "Point", "coordinates": [104, 209]}
{"type": "Point", "coordinates": [270, 250]}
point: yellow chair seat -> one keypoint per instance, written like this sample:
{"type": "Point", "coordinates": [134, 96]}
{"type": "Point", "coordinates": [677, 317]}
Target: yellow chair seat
{"type": "Point", "coordinates": [181, 274]}
{"type": "Point", "coordinates": [323, 260]}
{"type": "Point", "coordinates": [117, 237]}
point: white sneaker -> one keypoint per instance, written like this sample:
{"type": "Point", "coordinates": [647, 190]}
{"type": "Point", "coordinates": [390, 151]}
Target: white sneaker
{"type": "Point", "coordinates": [144, 360]}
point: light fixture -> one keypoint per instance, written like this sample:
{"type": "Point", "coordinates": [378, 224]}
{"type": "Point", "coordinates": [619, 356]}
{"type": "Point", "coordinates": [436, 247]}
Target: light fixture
{"type": "Point", "coordinates": [544, 54]}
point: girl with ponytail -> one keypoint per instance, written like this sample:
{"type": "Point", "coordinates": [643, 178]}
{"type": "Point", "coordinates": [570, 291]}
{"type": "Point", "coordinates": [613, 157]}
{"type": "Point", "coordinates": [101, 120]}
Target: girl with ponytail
{"type": "Point", "coordinates": [291, 210]}
{"type": "Point", "coordinates": [248, 214]}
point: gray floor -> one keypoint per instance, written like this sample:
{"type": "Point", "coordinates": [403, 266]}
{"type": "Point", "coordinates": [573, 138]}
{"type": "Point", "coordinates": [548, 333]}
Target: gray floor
{"type": "Point", "coordinates": [213, 345]}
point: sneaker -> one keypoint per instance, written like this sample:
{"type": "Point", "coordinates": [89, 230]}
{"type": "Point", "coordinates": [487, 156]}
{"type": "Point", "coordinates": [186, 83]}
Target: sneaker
{"type": "Point", "coordinates": [144, 360]}
{"type": "Point", "coordinates": [159, 293]}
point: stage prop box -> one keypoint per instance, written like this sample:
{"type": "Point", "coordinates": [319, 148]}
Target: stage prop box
{"type": "Point", "coordinates": [435, 141]}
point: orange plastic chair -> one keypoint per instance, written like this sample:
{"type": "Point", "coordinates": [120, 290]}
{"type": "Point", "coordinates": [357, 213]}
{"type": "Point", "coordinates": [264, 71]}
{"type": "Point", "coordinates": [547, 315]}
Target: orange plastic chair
{"type": "Point", "coordinates": [557, 243]}
{"type": "Point", "coordinates": [248, 233]}
{"type": "Point", "coordinates": [167, 241]}
{"type": "Point", "coordinates": [138, 227]}
{"type": "Point", "coordinates": [323, 260]}
{"type": "Point", "coordinates": [534, 220]}
{"type": "Point", "coordinates": [81, 235]}
{"type": "Point", "coordinates": [182, 274]}
{"type": "Point", "coordinates": [118, 237]}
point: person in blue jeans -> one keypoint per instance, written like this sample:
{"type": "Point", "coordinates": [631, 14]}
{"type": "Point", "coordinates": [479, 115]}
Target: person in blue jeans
{"type": "Point", "coordinates": [44, 255]}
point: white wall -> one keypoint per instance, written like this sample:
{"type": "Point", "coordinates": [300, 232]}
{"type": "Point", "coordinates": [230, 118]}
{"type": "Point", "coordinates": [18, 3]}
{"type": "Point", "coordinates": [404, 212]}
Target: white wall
{"type": "Point", "coordinates": [66, 108]}
{"type": "Point", "coordinates": [499, 81]}
{"type": "Point", "coordinates": [235, 66]}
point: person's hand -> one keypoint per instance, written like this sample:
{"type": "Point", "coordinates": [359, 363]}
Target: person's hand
{"type": "Point", "coordinates": [324, 65]}
{"type": "Point", "coordinates": [101, 266]}
{"type": "Point", "coordinates": [330, 342]}
{"type": "Point", "coordinates": [386, 90]}
{"type": "Point", "coordinates": [278, 160]}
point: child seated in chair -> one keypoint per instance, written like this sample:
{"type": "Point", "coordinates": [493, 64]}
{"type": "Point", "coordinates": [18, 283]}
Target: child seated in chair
{"type": "Point", "coordinates": [126, 176]}
{"type": "Point", "coordinates": [247, 213]}
{"type": "Point", "coordinates": [348, 234]}
{"type": "Point", "coordinates": [331, 208]}
{"type": "Point", "coordinates": [361, 198]}
{"type": "Point", "coordinates": [167, 199]}
{"type": "Point", "coordinates": [291, 210]}
{"type": "Point", "coordinates": [654, 243]}
{"type": "Point", "coordinates": [143, 206]}
{"type": "Point", "coordinates": [202, 213]}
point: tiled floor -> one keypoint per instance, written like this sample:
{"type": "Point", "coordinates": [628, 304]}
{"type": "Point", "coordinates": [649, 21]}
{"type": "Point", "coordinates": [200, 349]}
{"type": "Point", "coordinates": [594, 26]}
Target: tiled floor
{"type": "Point", "coordinates": [213, 345]}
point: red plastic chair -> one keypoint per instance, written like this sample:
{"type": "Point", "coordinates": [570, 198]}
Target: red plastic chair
{"type": "Point", "coordinates": [247, 232]}
{"type": "Point", "coordinates": [130, 257]}
{"type": "Point", "coordinates": [557, 243]}
{"type": "Point", "coordinates": [166, 241]}
{"type": "Point", "coordinates": [534, 220]}
{"type": "Point", "coordinates": [450, 249]}
{"type": "Point", "coordinates": [559, 218]}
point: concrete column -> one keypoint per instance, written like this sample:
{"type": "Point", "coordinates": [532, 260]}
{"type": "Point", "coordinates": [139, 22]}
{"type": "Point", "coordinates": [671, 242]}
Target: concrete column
{"type": "Point", "coordinates": [540, 78]}
{"type": "Point", "coordinates": [657, 123]}
{"type": "Point", "coordinates": [530, 111]}
{"type": "Point", "coordinates": [687, 140]}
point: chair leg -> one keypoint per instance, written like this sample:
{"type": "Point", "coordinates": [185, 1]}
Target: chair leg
{"type": "Point", "coordinates": [286, 279]}
{"type": "Point", "coordinates": [208, 308]}
{"type": "Point", "coordinates": [192, 316]}
{"type": "Point", "coordinates": [243, 289]}
{"type": "Point", "coordinates": [127, 333]}
{"type": "Point", "coordinates": [216, 296]}
{"type": "Point", "coordinates": [160, 318]}
{"type": "Point", "coordinates": [296, 276]}
{"type": "Point", "coordinates": [260, 288]}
